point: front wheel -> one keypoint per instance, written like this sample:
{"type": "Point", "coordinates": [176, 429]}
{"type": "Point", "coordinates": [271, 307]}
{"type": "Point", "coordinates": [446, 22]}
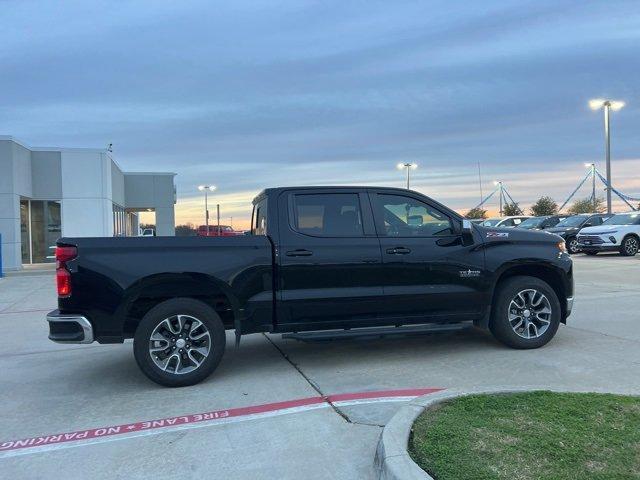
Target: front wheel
{"type": "Point", "coordinates": [179, 342]}
{"type": "Point", "coordinates": [526, 312]}
{"type": "Point", "coordinates": [629, 246]}
{"type": "Point", "coordinates": [573, 246]}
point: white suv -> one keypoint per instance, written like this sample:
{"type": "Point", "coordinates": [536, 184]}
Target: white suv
{"type": "Point", "coordinates": [619, 233]}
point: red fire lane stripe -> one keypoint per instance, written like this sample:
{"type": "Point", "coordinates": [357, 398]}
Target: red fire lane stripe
{"type": "Point", "coordinates": [202, 417]}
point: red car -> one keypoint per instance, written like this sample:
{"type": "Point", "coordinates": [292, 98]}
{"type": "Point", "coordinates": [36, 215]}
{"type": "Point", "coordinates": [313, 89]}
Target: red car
{"type": "Point", "coordinates": [225, 231]}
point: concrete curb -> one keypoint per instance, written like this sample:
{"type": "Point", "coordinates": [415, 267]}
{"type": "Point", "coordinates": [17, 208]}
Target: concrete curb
{"type": "Point", "coordinates": [392, 460]}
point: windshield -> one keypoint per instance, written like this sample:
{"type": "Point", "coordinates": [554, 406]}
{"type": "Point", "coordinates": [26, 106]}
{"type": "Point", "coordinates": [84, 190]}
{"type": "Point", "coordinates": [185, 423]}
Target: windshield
{"type": "Point", "coordinates": [574, 221]}
{"type": "Point", "coordinates": [532, 222]}
{"type": "Point", "coordinates": [623, 219]}
{"type": "Point", "coordinates": [492, 222]}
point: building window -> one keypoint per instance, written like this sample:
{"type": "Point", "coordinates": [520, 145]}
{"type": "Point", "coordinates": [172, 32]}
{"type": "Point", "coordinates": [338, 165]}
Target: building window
{"type": "Point", "coordinates": [40, 228]}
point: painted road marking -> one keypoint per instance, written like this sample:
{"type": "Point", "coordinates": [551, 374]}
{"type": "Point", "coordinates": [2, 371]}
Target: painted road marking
{"type": "Point", "coordinates": [78, 438]}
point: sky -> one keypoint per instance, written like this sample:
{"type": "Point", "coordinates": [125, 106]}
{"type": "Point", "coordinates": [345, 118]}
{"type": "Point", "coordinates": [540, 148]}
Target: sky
{"type": "Point", "coordinates": [256, 94]}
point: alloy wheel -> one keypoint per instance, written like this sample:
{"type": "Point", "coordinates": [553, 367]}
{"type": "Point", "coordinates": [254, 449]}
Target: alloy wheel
{"type": "Point", "coordinates": [573, 246]}
{"type": "Point", "coordinates": [631, 246]}
{"type": "Point", "coordinates": [530, 313]}
{"type": "Point", "coordinates": [179, 344]}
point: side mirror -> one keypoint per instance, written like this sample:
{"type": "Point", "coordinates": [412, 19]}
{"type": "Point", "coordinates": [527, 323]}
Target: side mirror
{"type": "Point", "coordinates": [415, 220]}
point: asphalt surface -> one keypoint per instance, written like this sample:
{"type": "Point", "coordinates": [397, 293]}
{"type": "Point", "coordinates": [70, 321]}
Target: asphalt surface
{"type": "Point", "coordinates": [47, 388]}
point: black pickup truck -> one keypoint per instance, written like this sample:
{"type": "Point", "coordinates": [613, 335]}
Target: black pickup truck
{"type": "Point", "coordinates": [320, 263]}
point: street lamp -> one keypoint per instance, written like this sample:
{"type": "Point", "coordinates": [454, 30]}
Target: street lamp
{"type": "Point", "coordinates": [607, 106]}
{"type": "Point", "coordinates": [409, 167]}
{"type": "Point", "coordinates": [206, 189]}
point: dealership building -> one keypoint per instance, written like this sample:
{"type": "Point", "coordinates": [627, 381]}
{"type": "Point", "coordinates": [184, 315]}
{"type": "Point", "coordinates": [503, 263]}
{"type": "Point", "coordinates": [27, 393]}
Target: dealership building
{"type": "Point", "coordinates": [47, 193]}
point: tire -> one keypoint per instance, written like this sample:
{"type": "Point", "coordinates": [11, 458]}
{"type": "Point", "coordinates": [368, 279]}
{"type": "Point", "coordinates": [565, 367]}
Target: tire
{"type": "Point", "coordinates": [173, 323]}
{"type": "Point", "coordinates": [505, 330]}
{"type": "Point", "coordinates": [630, 245]}
{"type": "Point", "coordinates": [572, 245]}
{"type": "Point", "coordinates": [592, 253]}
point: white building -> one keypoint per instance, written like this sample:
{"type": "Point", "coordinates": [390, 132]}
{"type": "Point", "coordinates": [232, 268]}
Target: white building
{"type": "Point", "coordinates": [47, 193]}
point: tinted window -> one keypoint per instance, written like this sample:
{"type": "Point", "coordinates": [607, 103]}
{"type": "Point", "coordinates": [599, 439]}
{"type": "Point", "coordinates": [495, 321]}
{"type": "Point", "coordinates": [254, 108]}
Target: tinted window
{"type": "Point", "coordinates": [259, 226]}
{"type": "Point", "coordinates": [328, 215]}
{"type": "Point", "coordinates": [408, 217]}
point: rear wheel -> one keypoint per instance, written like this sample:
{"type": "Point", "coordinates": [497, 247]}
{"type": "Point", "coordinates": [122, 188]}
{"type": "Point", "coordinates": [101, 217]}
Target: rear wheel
{"type": "Point", "coordinates": [179, 342]}
{"type": "Point", "coordinates": [526, 313]}
{"type": "Point", "coordinates": [629, 246]}
{"type": "Point", "coordinates": [572, 245]}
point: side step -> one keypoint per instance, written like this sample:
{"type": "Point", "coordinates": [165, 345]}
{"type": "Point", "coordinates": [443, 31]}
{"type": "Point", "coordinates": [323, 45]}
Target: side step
{"type": "Point", "coordinates": [377, 332]}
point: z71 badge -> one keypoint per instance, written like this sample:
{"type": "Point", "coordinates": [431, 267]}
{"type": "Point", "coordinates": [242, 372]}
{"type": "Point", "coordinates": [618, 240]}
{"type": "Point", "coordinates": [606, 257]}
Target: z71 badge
{"type": "Point", "coordinates": [497, 234]}
{"type": "Point", "coordinates": [469, 273]}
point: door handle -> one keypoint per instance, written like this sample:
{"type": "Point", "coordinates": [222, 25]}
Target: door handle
{"type": "Point", "coordinates": [398, 251]}
{"type": "Point", "coordinates": [301, 252]}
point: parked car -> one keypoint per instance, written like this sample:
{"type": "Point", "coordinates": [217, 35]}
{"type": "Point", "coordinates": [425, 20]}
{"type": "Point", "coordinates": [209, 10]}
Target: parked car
{"type": "Point", "coordinates": [322, 263]}
{"type": "Point", "coordinates": [148, 232]}
{"type": "Point", "coordinates": [504, 222]}
{"type": "Point", "coordinates": [217, 231]}
{"type": "Point", "coordinates": [620, 233]}
{"type": "Point", "coordinates": [541, 223]}
{"type": "Point", "coordinates": [570, 226]}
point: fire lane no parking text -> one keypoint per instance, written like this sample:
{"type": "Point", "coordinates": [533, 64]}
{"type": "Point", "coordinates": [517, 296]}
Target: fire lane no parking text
{"type": "Point", "coordinates": [77, 438]}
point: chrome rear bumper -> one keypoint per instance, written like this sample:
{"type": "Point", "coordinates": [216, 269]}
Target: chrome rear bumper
{"type": "Point", "coordinates": [69, 328]}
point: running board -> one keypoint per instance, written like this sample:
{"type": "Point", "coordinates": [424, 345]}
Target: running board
{"type": "Point", "coordinates": [376, 332]}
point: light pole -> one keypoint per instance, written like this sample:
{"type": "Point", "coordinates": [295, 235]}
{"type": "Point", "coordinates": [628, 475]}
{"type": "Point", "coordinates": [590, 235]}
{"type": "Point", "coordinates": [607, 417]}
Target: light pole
{"type": "Point", "coordinates": [607, 106]}
{"type": "Point", "coordinates": [592, 166]}
{"type": "Point", "coordinates": [206, 189]}
{"type": "Point", "coordinates": [409, 167]}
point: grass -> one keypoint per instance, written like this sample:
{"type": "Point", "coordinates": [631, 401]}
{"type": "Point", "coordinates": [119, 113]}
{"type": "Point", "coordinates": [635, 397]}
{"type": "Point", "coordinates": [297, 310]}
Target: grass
{"type": "Point", "coordinates": [533, 435]}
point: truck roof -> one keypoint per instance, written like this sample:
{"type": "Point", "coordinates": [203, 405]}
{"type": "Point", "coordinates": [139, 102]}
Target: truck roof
{"type": "Point", "coordinates": [276, 190]}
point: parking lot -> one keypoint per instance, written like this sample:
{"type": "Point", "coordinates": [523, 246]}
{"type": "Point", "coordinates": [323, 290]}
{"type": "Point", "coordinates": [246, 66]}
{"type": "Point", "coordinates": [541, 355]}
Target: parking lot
{"type": "Point", "coordinates": [48, 388]}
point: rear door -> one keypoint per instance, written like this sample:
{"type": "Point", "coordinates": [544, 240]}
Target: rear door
{"type": "Point", "coordinates": [329, 260]}
{"type": "Point", "coordinates": [428, 273]}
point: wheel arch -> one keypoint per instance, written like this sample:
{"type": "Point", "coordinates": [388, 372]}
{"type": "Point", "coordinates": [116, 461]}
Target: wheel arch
{"type": "Point", "coordinates": [154, 289]}
{"type": "Point", "coordinates": [547, 273]}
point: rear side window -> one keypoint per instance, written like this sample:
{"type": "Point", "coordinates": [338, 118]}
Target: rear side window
{"type": "Point", "coordinates": [327, 215]}
{"type": "Point", "coordinates": [259, 226]}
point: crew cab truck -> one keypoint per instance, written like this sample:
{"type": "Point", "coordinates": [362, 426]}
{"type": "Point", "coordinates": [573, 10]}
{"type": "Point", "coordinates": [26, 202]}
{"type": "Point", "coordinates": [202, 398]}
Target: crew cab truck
{"type": "Point", "coordinates": [321, 263]}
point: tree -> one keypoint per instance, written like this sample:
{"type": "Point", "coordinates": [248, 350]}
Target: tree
{"type": "Point", "coordinates": [586, 206]}
{"type": "Point", "coordinates": [544, 206]}
{"type": "Point", "coordinates": [186, 230]}
{"type": "Point", "coordinates": [511, 209]}
{"type": "Point", "coordinates": [476, 212]}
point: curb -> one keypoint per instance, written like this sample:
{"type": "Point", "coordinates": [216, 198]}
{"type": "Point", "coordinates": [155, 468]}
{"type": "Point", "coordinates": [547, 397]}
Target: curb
{"type": "Point", "coordinates": [392, 460]}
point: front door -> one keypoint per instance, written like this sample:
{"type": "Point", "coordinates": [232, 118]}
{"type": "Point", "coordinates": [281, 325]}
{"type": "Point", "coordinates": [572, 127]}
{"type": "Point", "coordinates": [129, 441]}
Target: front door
{"type": "Point", "coordinates": [429, 274]}
{"type": "Point", "coordinates": [329, 261]}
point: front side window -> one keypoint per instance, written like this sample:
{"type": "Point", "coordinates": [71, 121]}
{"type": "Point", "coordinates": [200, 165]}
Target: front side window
{"type": "Point", "coordinates": [327, 215]}
{"type": "Point", "coordinates": [408, 217]}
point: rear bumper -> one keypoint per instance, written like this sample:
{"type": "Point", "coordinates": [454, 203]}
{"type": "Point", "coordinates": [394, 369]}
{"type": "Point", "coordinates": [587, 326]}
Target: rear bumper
{"type": "Point", "coordinates": [65, 328]}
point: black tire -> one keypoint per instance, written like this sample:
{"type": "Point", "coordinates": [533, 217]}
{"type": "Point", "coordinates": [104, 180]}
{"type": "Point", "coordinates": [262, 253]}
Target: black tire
{"type": "Point", "coordinates": [590, 252]}
{"type": "Point", "coordinates": [629, 246]}
{"type": "Point", "coordinates": [572, 245]}
{"type": "Point", "coordinates": [502, 328]}
{"type": "Point", "coordinates": [169, 309]}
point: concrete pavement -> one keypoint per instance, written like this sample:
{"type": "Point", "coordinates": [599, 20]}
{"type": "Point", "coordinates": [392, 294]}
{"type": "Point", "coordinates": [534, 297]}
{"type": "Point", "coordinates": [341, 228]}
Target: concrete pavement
{"type": "Point", "coordinates": [48, 388]}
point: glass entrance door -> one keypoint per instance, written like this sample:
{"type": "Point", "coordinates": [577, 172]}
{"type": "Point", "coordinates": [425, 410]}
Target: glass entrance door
{"type": "Point", "coordinates": [41, 226]}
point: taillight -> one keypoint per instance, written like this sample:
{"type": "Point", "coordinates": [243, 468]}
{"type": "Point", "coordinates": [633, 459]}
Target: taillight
{"type": "Point", "coordinates": [63, 280]}
{"type": "Point", "coordinates": [64, 254]}
{"type": "Point", "coordinates": [63, 277]}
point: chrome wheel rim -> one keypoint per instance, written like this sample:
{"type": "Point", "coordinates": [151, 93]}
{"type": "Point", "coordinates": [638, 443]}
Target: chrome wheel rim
{"type": "Point", "coordinates": [530, 313]}
{"type": "Point", "coordinates": [179, 344]}
{"type": "Point", "coordinates": [631, 246]}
